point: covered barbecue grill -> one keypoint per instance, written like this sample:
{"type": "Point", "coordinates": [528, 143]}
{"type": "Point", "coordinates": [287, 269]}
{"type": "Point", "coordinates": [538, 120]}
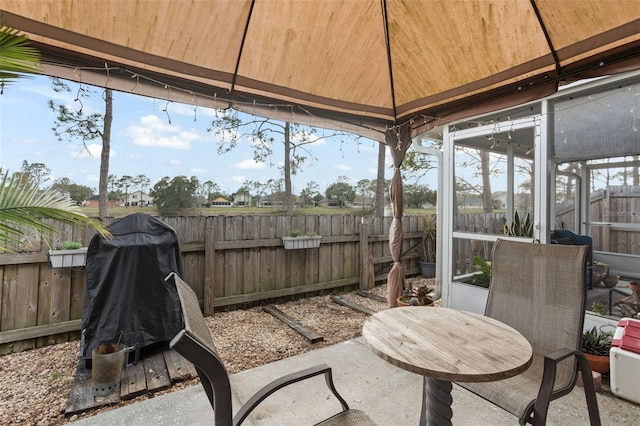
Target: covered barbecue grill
{"type": "Point", "coordinates": [126, 298]}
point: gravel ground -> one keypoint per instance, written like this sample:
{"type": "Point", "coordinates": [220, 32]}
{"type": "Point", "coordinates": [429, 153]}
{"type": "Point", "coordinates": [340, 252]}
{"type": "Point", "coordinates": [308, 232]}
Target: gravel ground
{"type": "Point", "coordinates": [36, 383]}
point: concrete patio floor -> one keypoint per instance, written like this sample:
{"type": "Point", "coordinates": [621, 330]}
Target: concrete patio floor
{"type": "Point", "coordinates": [389, 395]}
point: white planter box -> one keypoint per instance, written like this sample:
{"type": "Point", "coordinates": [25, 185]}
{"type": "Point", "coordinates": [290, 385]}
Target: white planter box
{"type": "Point", "coordinates": [293, 243]}
{"type": "Point", "coordinates": [469, 297]}
{"type": "Point", "coordinates": [68, 258]}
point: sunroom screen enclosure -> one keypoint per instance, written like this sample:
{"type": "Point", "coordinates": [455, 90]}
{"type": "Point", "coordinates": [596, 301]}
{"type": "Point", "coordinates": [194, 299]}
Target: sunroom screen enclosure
{"type": "Point", "coordinates": [570, 161]}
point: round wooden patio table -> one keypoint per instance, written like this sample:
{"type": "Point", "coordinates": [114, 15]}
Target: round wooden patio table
{"type": "Point", "coordinates": [445, 345]}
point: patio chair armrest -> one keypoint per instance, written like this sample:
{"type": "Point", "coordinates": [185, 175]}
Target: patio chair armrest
{"type": "Point", "coordinates": [283, 381]}
{"type": "Point", "coordinates": [545, 393]}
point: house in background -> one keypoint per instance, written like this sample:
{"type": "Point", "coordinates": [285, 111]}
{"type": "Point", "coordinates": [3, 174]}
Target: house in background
{"type": "Point", "coordinates": [242, 200]}
{"type": "Point", "coordinates": [138, 198]}
{"type": "Point", "coordinates": [221, 202]}
{"type": "Point", "coordinates": [93, 202]}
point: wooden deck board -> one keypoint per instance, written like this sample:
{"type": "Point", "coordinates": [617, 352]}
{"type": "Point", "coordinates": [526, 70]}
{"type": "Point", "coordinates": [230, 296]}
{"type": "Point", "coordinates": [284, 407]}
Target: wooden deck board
{"type": "Point", "coordinates": [133, 382]}
{"type": "Point", "coordinates": [178, 367]}
{"type": "Point", "coordinates": [153, 373]}
{"type": "Point", "coordinates": [155, 369]}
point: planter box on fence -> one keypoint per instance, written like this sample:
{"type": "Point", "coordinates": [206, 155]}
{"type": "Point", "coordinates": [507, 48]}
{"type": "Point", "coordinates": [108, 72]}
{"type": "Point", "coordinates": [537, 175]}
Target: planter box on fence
{"type": "Point", "coordinates": [68, 258]}
{"type": "Point", "coordinates": [292, 243]}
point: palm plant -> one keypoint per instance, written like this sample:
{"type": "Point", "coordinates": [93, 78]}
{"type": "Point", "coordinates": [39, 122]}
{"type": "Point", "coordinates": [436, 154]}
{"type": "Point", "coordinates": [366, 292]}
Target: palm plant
{"type": "Point", "coordinates": [23, 206]}
{"type": "Point", "coordinates": [17, 58]}
{"type": "Point", "coordinates": [429, 235]}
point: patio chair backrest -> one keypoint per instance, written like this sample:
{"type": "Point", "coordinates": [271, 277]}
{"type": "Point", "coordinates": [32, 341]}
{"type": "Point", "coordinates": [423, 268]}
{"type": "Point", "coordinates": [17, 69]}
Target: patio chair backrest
{"type": "Point", "coordinates": [195, 343]}
{"type": "Point", "coordinates": [538, 289]}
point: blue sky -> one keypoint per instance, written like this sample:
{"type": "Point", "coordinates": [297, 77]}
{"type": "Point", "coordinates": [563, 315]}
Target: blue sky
{"type": "Point", "coordinates": [147, 140]}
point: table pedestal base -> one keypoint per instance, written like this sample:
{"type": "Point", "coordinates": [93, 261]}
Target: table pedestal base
{"type": "Point", "coordinates": [436, 403]}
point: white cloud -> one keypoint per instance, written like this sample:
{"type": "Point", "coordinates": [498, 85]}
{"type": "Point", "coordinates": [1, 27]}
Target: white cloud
{"type": "Point", "coordinates": [175, 162]}
{"type": "Point", "coordinates": [342, 167]}
{"type": "Point", "coordinates": [249, 164]}
{"type": "Point", "coordinates": [154, 131]}
{"type": "Point", "coordinates": [238, 179]}
{"type": "Point", "coordinates": [196, 171]}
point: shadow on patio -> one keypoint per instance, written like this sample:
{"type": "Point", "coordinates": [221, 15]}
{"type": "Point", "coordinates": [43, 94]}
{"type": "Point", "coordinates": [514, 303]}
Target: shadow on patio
{"type": "Point", "coordinates": [389, 395]}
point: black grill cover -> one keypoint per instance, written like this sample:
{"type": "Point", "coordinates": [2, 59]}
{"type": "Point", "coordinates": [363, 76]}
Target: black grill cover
{"type": "Point", "coordinates": [126, 292]}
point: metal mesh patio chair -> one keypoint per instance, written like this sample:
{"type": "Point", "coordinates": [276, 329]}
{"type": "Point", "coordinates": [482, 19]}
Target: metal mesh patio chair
{"type": "Point", "coordinates": [539, 290]}
{"type": "Point", "coordinates": [194, 342]}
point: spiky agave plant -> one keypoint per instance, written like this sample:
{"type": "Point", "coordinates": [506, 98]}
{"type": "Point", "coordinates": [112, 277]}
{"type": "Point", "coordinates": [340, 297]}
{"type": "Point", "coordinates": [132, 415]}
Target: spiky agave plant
{"type": "Point", "coordinates": [23, 206]}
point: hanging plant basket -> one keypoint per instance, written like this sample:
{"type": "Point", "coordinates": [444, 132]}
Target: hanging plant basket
{"type": "Point", "coordinates": [302, 242]}
{"type": "Point", "coordinates": [68, 258]}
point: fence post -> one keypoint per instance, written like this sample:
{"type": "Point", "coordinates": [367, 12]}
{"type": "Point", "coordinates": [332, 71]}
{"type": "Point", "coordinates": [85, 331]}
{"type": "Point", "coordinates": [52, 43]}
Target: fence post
{"type": "Point", "coordinates": [209, 269]}
{"type": "Point", "coordinates": [366, 258]}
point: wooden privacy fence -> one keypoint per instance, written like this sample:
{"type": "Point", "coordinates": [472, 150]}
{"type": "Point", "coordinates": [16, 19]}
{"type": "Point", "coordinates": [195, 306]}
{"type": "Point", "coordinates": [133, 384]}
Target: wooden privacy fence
{"type": "Point", "coordinates": [228, 261]}
{"type": "Point", "coordinates": [611, 213]}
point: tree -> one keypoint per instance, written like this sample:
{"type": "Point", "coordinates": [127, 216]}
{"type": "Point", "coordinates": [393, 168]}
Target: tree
{"type": "Point", "coordinates": [262, 132]}
{"type": "Point", "coordinates": [212, 190]}
{"type": "Point", "coordinates": [416, 165]}
{"type": "Point", "coordinates": [341, 191]}
{"type": "Point", "coordinates": [73, 125]}
{"type": "Point", "coordinates": [171, 196]}
{"type": "Point", "coordinates": [307, 194]}
{"type": "Point", "coordinates": [380, 187]}
{"type": "Point", "coordinates": [141, 181]}
{"type": "Point", "coordinates": [114, 192]}
{"type": "Point", "coordinates": [78, 193]}
{"type": "Point", "coordinates": [38, 173]}
{"type": "Point", "coordinates": [487, 194]}
{"type": "Point", "coordinates": [23, 204]}
{"type": "Point", "coordinates": [124, 183]}
{"type": "Point", "coordinates": [416, 195]}
{"type": "Point", "coordinates": [365, 191]}
{"type": "Point", "coordinates": [481, 161]}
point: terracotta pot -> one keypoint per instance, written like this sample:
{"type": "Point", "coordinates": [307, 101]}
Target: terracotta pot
{"type": "Point", "coordinates": [599, 363]}
{"type": "Point", "coordinates": [401, 303]}
{"type": "Point", "coordinates": [610, 281]}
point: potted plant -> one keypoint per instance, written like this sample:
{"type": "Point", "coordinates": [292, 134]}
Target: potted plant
{"type": "Point", "coordinates": [596, 345]}
{"type": "Point", "coordinates": [297, 240]}
{"type": "Point", "coordinates": [519, 229]}
{"type": "Point", "coordinates": [483, 278]}
{"type": "Point", "coordinates": [68, 254]}
{"type": "Point", "coordinates": [416, 296]}
{"type": "Point", "coordinates": [600, 272]}
{"type": "Point", "coordinates": [429, 234]}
